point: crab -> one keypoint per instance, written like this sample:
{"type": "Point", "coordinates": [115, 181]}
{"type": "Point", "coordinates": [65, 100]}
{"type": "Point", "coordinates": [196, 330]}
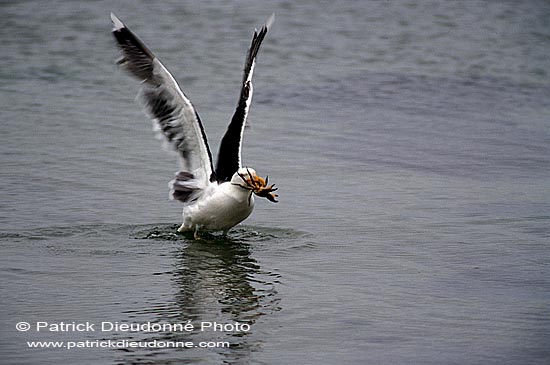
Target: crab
{"type": "Point", "coordinates": [258, 186]}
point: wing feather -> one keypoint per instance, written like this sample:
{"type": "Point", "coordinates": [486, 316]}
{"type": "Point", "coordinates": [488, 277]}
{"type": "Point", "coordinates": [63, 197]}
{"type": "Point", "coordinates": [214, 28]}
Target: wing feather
{"type": "Point", "coordinates": [171, 111]}
{"type": "Point", "coordinates": [229, 154]}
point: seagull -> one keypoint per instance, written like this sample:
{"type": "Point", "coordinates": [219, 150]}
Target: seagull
{"type": "Point", "coordinates": [214, 199]}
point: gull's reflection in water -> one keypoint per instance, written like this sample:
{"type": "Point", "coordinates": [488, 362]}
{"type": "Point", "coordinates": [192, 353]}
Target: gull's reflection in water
{"type": "Point", "coordinates": [218, 282]}
{"type": "Point", "coordinates": [219, 277]}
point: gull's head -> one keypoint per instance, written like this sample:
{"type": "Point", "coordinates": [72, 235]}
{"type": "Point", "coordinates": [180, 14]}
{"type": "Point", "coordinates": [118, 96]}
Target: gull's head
{"type": "Point", "coordinates": [248, 179]}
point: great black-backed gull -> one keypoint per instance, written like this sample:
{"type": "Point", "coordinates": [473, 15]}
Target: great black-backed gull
{"type": "Point", "coordinates": [213, 199]}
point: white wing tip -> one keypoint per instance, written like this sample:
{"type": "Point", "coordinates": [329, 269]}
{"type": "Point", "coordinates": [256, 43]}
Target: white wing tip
{"type": "Point", "coordinates": [270, 21]}
{"type": "Point", "coordinates": [117, 23]}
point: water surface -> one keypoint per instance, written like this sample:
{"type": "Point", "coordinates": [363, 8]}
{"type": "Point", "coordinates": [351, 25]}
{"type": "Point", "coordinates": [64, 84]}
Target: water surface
{"type": "Point", "coordinates": [410, 141]}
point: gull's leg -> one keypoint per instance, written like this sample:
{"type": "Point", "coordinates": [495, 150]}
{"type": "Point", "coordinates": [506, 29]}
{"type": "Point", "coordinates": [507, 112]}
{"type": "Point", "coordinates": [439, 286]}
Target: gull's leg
{"type": "Point", "coordinates": [196, 234]}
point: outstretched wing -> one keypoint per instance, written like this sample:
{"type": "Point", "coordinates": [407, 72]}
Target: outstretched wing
{"type": "Point", "coordinates": [171, 111]}
{"type": "Point", "coordinates": [229, 154]}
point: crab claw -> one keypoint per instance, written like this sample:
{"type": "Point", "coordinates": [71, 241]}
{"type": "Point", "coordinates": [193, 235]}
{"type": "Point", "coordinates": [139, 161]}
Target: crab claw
{"type": "Point", "coordinates": [271, 197]}
{"type": "Point", "coordinates": [267, 192]}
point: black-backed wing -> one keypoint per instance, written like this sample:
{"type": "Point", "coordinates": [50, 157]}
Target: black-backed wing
{"type": "Point", "coordinates": [229, 154]}
{"type": "Point", "coordinates": [171, 112]}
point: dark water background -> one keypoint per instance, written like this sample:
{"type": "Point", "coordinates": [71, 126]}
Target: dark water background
{"type": "Point", "coordinates": [410, 141]}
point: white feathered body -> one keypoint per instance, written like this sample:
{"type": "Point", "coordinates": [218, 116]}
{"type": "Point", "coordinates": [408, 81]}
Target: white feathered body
{"type": "Point", "coordinates": [220, 208]}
